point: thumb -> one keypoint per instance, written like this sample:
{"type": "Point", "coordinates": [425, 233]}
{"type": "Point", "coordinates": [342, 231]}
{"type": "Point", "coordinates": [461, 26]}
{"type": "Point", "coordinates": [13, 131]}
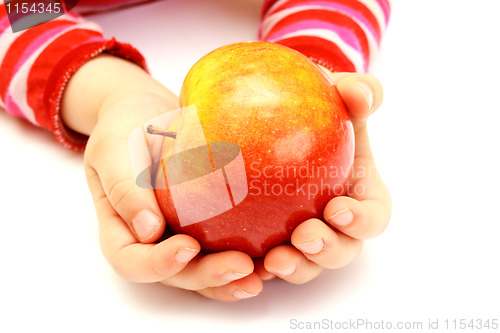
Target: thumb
{"type": "Point", "coordinates": [110, 174]}
{"type": "Point", "coordinates": [136, 206]}
{"type": "Point", "coordinates": [362, 93]}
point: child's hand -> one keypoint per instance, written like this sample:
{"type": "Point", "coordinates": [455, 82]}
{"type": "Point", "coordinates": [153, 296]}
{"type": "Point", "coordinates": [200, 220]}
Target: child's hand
{"type": "Point", "coordinates": [349, 219]}
{"type": "Point", "coordinates": [108, 98]}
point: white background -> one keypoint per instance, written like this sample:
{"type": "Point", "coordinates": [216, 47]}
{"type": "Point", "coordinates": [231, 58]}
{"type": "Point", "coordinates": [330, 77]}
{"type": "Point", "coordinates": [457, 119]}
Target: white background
{"type": "Point", "coordinates": [436, 144]}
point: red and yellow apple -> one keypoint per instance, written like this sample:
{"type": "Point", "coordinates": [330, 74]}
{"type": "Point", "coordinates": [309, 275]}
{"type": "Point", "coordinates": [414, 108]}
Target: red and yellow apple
{"type": "Point", "coordinates": [276, 145]}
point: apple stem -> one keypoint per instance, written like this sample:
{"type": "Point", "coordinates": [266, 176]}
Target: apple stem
{"type": "Point", "coordinates": [151, 129]}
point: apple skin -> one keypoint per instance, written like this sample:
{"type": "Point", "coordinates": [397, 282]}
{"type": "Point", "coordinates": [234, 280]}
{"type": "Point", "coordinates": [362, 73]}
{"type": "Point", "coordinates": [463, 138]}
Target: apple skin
{"type": "Point", "coordinates": [295, 136]}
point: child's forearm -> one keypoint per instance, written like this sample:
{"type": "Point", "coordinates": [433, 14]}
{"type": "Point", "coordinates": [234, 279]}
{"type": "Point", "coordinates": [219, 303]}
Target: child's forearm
{"type": "Point", "coordinates": [102, 80]}
{"type": "Point", "coordinates": [343, 36]}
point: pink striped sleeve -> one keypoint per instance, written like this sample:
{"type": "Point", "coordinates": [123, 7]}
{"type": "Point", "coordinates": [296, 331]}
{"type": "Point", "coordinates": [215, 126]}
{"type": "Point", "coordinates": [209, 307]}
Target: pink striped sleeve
{"type": "Point", "coordinates": [342, 35]}
{"type": "Point", "coordinates": [37, 63]}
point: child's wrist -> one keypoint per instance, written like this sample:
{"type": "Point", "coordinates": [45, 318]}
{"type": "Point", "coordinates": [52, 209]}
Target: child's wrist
{"type": "Point", "coordinates": [102, 80]}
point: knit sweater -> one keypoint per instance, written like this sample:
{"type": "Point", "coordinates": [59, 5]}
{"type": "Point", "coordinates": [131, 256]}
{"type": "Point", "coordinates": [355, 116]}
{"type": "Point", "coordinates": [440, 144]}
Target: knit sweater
{"type": "Point", "coordinates": [37, 63]}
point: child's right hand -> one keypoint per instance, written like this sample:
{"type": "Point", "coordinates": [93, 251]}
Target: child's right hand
{"type": "Point", "coordinates": [108, 98]}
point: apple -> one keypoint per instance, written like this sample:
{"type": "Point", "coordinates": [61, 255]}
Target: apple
{"type": "Point", "coordinates": [265, 142]}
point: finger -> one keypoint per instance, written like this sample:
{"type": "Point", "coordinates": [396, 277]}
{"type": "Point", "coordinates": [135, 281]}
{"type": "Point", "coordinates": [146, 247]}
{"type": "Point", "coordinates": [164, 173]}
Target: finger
{"type": "Point", "coordinates": [366, 210]}
{"type": "Point", "coordinates": [146, 263]}
{"type": "Point", "coordinates": [261, 270]}
{"type": "Point", "coordinates": [361, 93]}
{"type": "Point", "coordinates": [136, 206]}
{"type": "Point", "coordinates": [108, 156]}
{"type": "Point", "coordinates": [247, 287]}
{"type": "Point", "coordinates": [324, 246]}
{"type": "Point", "coordinates": [213, 270]}
{"type": "Point", "coordinates": [289, 264]}
{"type": "Point", "coordinates": [363, 219]}
{"type": "Point", "coordinates": [134, 261]}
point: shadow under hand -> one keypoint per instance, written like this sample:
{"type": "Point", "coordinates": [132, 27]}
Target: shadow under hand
{"type": "Point", "coordinates": [279, 299]}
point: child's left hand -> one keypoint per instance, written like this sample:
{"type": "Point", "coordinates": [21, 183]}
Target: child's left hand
{"type": "Point", "coordinates": [108, 98]}
{"type": "Point", "coordinates": [349, 219]}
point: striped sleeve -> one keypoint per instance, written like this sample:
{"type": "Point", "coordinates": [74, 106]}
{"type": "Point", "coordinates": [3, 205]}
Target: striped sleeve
{"type": "Point", "coordinates": [37, 63]}
{"type": "Point", "coordinates": [342, 35]}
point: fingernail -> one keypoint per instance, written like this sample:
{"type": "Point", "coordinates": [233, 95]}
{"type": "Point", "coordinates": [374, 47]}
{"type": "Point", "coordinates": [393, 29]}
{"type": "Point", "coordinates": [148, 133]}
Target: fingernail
{"type": "Point", "coordinates": [367, 92]}
{"type": "Point", "coordinates": [240, 294]}
{"type": "Point", "coordinates": [145, 224]}
{"type": "Point", "coordinates": [286, 272]}
{"type": "Point", "coordinates": [341, 218]}
{"type": "Point", "coordinates": [268, 277]}
{"type": "Point", "coordinates": [313, 247]}
{"type": "Point", "coordinates": [231, 276]}
{"type": "Point", "coordinates": [184, 255]}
